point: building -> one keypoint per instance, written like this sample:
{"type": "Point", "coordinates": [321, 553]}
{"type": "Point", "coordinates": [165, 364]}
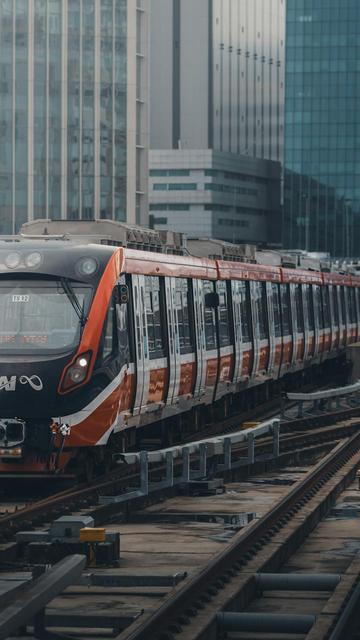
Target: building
{"type": "Point", "coordinates": [217, 76]}
{"type": "Point", "coordinates": [322, 141]}
{"type": "Point", "coordinates": [73, 110]}
{"type": "Point", "coordinates": [215, 194]}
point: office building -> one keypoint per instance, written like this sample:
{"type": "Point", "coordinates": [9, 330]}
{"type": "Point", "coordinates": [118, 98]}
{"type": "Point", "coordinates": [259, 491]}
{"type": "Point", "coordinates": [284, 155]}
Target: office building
{"type": "Point", "coordinates": [322, 140]}
{"type": "Point", "coordinates": [206, 193]}
{"type": "Point", "coordinates": [73, 110]}
{"type": "Point", "coordinates": [217, 76]}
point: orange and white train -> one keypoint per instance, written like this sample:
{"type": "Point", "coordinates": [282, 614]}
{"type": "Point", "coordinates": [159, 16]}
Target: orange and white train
{"type": "Point", "coordinates": [99, 342]}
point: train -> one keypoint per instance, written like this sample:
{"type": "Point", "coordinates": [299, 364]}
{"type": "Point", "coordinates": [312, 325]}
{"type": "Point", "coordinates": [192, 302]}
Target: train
{"type": "Point", "coordinates": [100, 341]}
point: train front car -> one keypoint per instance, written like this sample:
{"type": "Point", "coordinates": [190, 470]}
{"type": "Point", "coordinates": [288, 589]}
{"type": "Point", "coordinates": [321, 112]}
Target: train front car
{"type": "Point", "coordinates": [55, 298]}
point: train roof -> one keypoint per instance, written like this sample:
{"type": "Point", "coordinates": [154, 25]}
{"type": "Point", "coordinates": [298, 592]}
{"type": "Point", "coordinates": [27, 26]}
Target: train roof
{"type": "Point", "coordinates": [151, 252]}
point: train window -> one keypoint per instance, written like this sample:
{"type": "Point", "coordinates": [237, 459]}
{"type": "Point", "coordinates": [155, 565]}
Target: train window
{"type": "Point", "coordinates": [210, 329]}
{"type": "Point", "coordinates": [335, 305]}
{"type": "Point", "coordinates": [352, 304]}
{"type": "Point", "coordinates": [260, 298]}
{"type": "Point", "coordinates": [123, 333]}
{"type": "Point", "coordinates": [310, 307]}
{"type": "Point", "coordinates": [343, 305]}
{"type": "Point", "coordinates": [318, 306]}
{"type": "Point", "coordinates": [154, 317]}
{"type": "Point", "coordinates": [245, 310]}
{"type": "Point", "coordinates": [276, 307]}
{"type": "Point", "coordinates": [109, 331]}
{"type": "Point", "coordinates": [225, 318]}
{"type": "Point", "coordinates": [326, 306]}
{"type": "Point", "coordinates": [285, 309]}
{"type": "Point", "coordinates": [183, 301]}
{"type": "Point", "coordinates": [299, 308]}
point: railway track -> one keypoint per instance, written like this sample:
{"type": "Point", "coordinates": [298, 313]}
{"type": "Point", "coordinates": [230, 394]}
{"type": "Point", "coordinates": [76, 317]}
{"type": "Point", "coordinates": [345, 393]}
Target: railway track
{"type": "Point", "coordinates": [228, 582]}
{"type": "Point", "coordinates": [294, 436]}
{"type": "Point", "coordinates": [189, 610]}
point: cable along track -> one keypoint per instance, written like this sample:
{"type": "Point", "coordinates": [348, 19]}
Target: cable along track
{"type": "Point", "coordinates": [228, 581]}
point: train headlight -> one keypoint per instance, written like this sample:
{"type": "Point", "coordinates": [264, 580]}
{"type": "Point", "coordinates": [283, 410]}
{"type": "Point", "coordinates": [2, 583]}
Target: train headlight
{"type": "Point", "coordinates": [87, 266]}
{"type": "Point", "coordinates": [13, 260]}
{"type": "Point", "coordinates": [33, 260]}
{"type": "Point", "coordinates": [77, 372]}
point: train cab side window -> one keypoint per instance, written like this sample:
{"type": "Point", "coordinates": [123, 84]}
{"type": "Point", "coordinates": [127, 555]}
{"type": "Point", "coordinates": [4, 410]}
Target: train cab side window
{"type": "Point", "coordinates": [185, 318]}
{"type": "Point", "coordinates": [285, 309]}
{"type": "Point", "coordinates": [299, 308]}
{"type": "Point", "coordinates": [123, 333]}
{"type": "Point", "coordinates": [310, 307]}
{"type": "Point", "coordinates": [155, 317]}
{"type": "Point", "coordinates": [276, 307]}
{"type": "Point", "coordinates": [245, 311]}
{"type": "Point", "coordinates": [110, 332]}
{"type": "Point", "coordinates": [326, 306]}
{"type": "Point", "coordinates": [225, 318]}
{"type": "Point", "coordinates": [210, 327]}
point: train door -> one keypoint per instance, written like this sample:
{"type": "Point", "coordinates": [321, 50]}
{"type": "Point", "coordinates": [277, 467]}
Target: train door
{"type": "Point", "coordinates": [211, 339]}
{"type": "Point", "coordinates": [318, 320]}
{"type": "Point", "coordinates": [326, 318]}
{"type": "Point", "coordinates": [271, 327]}
{"type": "Point", "coordinates": [236, 311]}
{"type": "Point", "coordinates": [286, 328]}
{"type": "Point", "coordinates": [225, 325]}
{"type": "Point", "coordinates": [150, 343]}
{"type": "Point", "coordinates": [310, 317]}
{"type": "Point", "coordinates": [334, 318]}
{"type": "Point", "coordinates": [181, 338]}
{"type": "Point", "coordinates": [141, 342]}
{"type": "Point", "coordinates": [342, 316]}
{"type": "Point", "coordinates": [277, 333]}
{"type": "Point", "coordinates": [260, 328]}
{"type": "Point", "coordinates": [299, 324]}
{"type": "Point", "coordinates": [200, 383]}
{"type": "Point", "coordinates": [173, 341]}
{"type": "Point", "coordinates": [243, 330]}
{"type": "Point", "coordinates": [306, 321]}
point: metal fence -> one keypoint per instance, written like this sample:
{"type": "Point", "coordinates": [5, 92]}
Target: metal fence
{"type": "Point", "coordinates": [325, 401]}
{"type": "Point", "coordinates": [196, 460]}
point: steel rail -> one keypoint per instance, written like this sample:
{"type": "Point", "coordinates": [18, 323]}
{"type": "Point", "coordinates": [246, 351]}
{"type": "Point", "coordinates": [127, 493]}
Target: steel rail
{"type": "Point", "coordinates": [44, 510]}
{"type": "Point", "coordinates": [217, 573]}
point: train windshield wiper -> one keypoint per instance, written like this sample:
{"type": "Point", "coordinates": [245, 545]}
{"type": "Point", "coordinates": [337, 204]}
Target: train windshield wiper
{"type": "Point", "coordinates": [74, 300]}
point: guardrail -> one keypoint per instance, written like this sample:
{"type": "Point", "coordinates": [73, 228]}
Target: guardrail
{"type": "Point", "coordinates": [210, 456]}
{"type": "Point", "coordinates": [325, 400]}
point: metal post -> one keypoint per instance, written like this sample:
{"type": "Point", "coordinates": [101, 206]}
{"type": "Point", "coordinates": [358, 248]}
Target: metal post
{"type": "Point", "coordinates": [186, 464]}
{"type": "Point", "coordinates": [169, 469]}
{"type": "Point", "coordinates": [276, 439]}
{"type": "Point", "coordinates": [227, 453]}
{"type": "Point", "coordinates": [202, 460]}
{"type": "Point", "coordinates": [144, 472]}
{"type": "Point", "coordinates": [251, 448]}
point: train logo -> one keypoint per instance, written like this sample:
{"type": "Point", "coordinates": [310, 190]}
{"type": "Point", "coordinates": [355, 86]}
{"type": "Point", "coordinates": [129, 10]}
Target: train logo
{"type": "Point", "coordinates": [9, 383]}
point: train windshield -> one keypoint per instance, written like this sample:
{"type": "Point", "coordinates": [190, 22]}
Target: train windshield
{"type": "Point", "coordinates": [41, 316]}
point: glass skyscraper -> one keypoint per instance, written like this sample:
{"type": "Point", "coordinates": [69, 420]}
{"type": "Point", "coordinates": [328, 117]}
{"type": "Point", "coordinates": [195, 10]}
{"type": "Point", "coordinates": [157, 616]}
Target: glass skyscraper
{"type": "Point", "coordinates": [73, 110]}
{"type": "Point", "coordinates": [322, 130]}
